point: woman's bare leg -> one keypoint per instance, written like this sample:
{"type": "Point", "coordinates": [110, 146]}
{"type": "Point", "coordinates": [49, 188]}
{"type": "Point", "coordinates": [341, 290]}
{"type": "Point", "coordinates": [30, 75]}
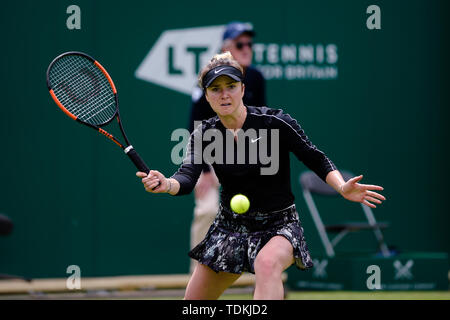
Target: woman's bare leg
{"type": "Point", "coordinates": [275, 257]}
{"type": "Point", "coordinates": [206, 284]}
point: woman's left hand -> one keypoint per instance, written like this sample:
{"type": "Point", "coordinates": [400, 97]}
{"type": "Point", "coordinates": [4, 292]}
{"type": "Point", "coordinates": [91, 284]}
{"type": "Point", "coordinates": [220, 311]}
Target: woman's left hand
{"type": "Point", "coordinates": [353, 191]}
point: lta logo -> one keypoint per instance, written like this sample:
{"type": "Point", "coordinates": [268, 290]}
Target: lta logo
{"type": "Point", "coordinates": [403, 271]}
{"type": "Point", "coordinates": [178, 55]}
{"type": "Point", "coordinates": [320, 268]}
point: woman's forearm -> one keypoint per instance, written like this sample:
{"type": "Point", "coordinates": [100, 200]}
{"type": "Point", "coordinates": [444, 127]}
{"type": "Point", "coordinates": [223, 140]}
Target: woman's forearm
{"type": "Point", "coordinates": [335, 180]}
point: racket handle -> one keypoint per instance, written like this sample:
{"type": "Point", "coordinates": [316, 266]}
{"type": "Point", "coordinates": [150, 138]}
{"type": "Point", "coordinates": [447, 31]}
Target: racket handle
{"type": "Point", "coordinates": [137, 160]}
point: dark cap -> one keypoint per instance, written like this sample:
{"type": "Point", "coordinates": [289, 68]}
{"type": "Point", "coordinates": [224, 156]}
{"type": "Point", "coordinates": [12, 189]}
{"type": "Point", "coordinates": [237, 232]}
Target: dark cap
{"type": "Point", "coordinates": [235, 29]}
{"type": "Point", "coordinates": [218, 71]}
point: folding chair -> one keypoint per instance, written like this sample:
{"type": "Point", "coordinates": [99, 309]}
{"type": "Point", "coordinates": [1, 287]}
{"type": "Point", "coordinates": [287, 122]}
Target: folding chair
{"type": "Point", "coordinates": [312, 184]}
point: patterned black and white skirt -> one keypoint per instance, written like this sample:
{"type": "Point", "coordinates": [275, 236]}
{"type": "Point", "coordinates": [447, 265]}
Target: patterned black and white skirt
{"type": "Point", "coordinates": [233, 240]}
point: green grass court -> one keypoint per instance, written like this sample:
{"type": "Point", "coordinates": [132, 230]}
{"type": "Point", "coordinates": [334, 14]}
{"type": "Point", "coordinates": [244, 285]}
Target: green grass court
{"type": "Point", "coordinates": [291, 295]}
{"type": "Point", "coordinates": [172, 287]}
{"type": "Point", "coordinates": [354, 295]}
{"type": "Point", "coordinates": [346, 295]}
{"type": "Point", "coordinates": [338, 295]}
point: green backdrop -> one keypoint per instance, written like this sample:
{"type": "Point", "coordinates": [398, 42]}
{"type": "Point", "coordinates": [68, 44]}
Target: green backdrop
{"type": "Point", "coordinates": [74, 197]}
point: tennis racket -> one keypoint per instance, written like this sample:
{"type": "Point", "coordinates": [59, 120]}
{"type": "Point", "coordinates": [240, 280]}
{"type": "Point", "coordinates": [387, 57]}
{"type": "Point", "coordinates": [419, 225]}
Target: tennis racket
{"type": "Point", "coordinates": [83, 89]}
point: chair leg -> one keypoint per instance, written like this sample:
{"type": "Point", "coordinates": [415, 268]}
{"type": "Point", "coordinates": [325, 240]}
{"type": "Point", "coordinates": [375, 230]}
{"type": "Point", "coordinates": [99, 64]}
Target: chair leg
{"type": "Point", "coordinates": [319, 224]}
{"type": "Point", "coordinates": [377, 231]}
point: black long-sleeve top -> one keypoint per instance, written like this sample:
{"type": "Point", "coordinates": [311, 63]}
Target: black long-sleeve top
{"type": "Point", "coordinates": [266, 192]}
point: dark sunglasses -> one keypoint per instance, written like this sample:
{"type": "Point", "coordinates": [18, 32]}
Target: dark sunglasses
{"type": "Point", "coordinates": [241, 45]}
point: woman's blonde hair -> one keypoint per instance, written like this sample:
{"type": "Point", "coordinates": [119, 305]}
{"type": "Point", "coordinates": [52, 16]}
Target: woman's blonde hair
{"type": "Point", "coordinates": [221, 59]}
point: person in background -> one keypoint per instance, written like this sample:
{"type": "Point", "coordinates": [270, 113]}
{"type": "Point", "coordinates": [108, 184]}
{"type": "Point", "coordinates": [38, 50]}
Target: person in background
{"type": "Point", "coordinates": [238, 40]}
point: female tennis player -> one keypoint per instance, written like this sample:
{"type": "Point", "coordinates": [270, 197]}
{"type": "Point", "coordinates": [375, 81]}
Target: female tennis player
{"type": "Point", "coordinates": [268, 238]}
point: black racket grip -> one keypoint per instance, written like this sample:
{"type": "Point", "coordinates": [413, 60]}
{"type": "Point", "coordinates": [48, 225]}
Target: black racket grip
{"type": "Point", "coordinates": [137, 160]}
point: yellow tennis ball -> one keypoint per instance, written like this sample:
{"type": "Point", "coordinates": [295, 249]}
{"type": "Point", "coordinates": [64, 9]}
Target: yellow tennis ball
{"type": "Point", "coordinates": [239, 203]}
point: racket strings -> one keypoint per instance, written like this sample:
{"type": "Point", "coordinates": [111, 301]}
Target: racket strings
{"type": "Point", "coordinates": [88, 87]}
{"type": "Point", "coordinates": [80, 102]}
{"type": "Point", "coordinates": [83, 89]}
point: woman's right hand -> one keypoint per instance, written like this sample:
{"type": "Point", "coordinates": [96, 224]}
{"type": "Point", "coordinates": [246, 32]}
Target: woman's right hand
{"type": "Point", "coordinates": [152, 179]}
